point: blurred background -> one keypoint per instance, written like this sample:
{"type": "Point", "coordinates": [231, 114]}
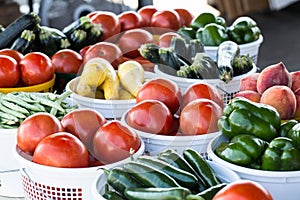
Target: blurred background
{"type": "Point", "coordinates": [278, 19]}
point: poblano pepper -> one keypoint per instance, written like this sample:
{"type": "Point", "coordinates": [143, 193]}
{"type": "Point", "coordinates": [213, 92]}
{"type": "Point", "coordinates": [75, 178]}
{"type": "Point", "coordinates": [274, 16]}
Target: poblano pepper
{"type": "Point", "coordinates": [242, 116]}
{"type": "Point", "coordinates": [243, 30]}
{"type": "Point", "coordinates": [206, 18]}
{"type": "Point", "coordinates": [281, 155]}
{"type": "Point", "coordinates": [212, 34]}
{"type": "Point", "coordinates": [243, 150]}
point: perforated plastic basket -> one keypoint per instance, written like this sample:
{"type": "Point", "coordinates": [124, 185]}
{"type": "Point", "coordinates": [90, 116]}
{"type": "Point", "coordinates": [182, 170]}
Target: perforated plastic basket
{"type": "Point", "coordinates": [42, 182]}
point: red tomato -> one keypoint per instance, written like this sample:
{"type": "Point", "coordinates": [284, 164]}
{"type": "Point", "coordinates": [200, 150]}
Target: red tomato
{"type": "Point", "coordinates": [34, 128]}
{"type": "Point", "coordinates": [83, 123]}
{"type": "Point", "coordinates": [36, 68]}
{"type": "Point", "coordinates": [185, 16]}
{"type": "Point", "coordinates": [165, 39]}
{"type": "Point", "coordinates": [114, 141]}
{"type": "Point", "coordinates": [107, 50]}
{"type": "Point", "coordinates": [84, 50]}
{"type": "Point", "coordinates": [12, 53]}
{"type": "Point", "coordinates": [131, 40]}
{"type": "Point", "coordinates": [243, 190]}
{"type": "Point", "coordinates": [162, 89]}
{"type": "Point", "coordinates": [66, 61]}
{"type": "Point", "coordinates": [9, 72]}
{"type": "Point", "coordinates": [61, 149]}
{"type": "Point", "coordinates": [202, 90]}
{"type": "Point", "coordinates": [168, 19]}
{"type": "Point", "coordinates": [150, 116]}
{"type": "Point", "coordinates": [109, 22]}
{"type": "Point", "coordinates": [200, 116]}
{"type": "Point", "coordinates": [146, 12]}
{"type": "Point", "coordinates": [130, 20]}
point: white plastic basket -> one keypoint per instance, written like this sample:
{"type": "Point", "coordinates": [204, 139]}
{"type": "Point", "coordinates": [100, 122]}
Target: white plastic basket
{"type": "Point", "coordinates": [110, 109]}
{"type": "Point", "coordinates": [281, 184]}
{"type": "Point", "coordinates": [155, 143]}
{"type": "Point", "coordinates": [52, 183]}
{"type": "Point", "coordinates": [251, 49]}
{"type": "Point", "coordinates": [227, 89]}
{"type": "Point", "coordinates": [225, 175]}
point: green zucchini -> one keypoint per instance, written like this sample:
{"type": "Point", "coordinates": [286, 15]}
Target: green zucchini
{"type": "Point", "coordinates": [15, 29]}
{"type": "Point", "coordinates": [150, 52]}
{"type": "Point", "coordinates": [242, 64]}
{"type": "Point", "coordinates": [25, 42]}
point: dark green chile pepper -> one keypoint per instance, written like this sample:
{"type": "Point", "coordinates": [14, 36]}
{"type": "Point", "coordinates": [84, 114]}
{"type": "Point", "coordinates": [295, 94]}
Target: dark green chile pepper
{"type": "Point", "coordinates": [286, 126]}
{"type": "Point", "coordinates": [243, 30]}
{"type": "Point", "coordinates": [206, 18]}
{"type": "Point", "coordinates": [212, 34]}
{"type": "Point", "coordinates": [281, 155]}
{"type": "Point", "coordinates": [294, 135]}
{"type": "Point", "coordinates": [243, 150]}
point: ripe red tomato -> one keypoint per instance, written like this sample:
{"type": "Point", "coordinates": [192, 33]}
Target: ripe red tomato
{"type": "Point", "coordinates": [83, 123]}
{"type": "Point", "coordinates": [200, 116]}
{"type": "Point", "coordinates": [113, 142]}
{"type": "Point", "coordinates": [109, 22]}
{"type": "Point", "coordinates": [150, 116]}
{"type": "Point", "coordinates": [185, 16]}
{"type": "Point", "coordinates": [130, 20]}
{"type": "Point", "coordinates": [146, 12]}
{"type": "Point", "coordinates": [9, 72]}
{"type": "Point", "coordinates": [12, 53]}
{"type": "Point", "coordinates": [131, 40]}
{"type": "Point", "coordinates": [202, 90]}
{"type": "Point", "coordinates": [36, 68]}
{"type": "Point", "coordinates": [67, 61]}
{"type": "Point", "coordinates": [161, 89]}
{"type": "Point", "coordinates": [168, 19]}
{"type": "Point", "coordinates": [34, 128]}
{"type": "Point", "coordinates": [164, 40]}
{"type": "Point", "coordinates": [84, 50]}
{"type": "Point", "coordinates": [107, 50]}
{"type": "Point", "coordinates": [243, 190]}
{"type": "Point", "coordinates": [61, 149]}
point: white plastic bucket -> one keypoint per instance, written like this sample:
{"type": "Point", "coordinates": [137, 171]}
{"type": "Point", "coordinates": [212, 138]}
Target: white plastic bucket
{"type": "Point", "coordinates": [281, 184]}
{"type": "Point", "coordinates": [251, 49]}
{"type": "Point", "coordinates": [225, 175]}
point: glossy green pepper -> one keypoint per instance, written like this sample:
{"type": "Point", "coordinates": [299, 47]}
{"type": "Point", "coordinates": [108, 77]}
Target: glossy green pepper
{"type": "Point", "coordinates": [243, 30]}
{"type": "Point", "coordinates": [281, 155]}
{"type": "Point", "coordinates": [212, 34]}
{"type": "Point", "coordinates": [243, 150]}
{"type": "Point", "coordinates": [294, 134]}
{"type": "Point", "coordinates": [286, 126]}
{"type": "Point", "coordinates": [206, 18]}
{"type": "Point", "coordinates": [187, 32]}
{"type": "Point", "coordinates": [242, 116]}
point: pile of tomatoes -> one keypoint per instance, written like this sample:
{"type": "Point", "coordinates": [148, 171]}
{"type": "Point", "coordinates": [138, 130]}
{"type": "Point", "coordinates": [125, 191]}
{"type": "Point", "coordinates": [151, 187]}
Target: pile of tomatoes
{"type": "Point", "coordinates": [82, 138]}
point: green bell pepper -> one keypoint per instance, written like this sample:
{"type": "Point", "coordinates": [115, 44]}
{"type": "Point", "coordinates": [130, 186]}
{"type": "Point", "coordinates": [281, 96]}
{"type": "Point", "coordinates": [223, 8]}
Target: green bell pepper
{"type": "Point", "coordinates": [281, 155]}
{"type": "Point", "coordinates": [187, 32]}
{"type": "Point", "coordinates": [286, 126]}
{"type": "Point", "coordinates": [243, 30]}
{"type": "Point", "coordinates": [242, 116]}
{"type": "Point", "coordinates": [243, 150]}
{"type": "Point", "coordinates": [206, 18]}
{"type": "Point", "coordinates": [294, 134]}
{"type": "Point", "coordinates": [212, 34]}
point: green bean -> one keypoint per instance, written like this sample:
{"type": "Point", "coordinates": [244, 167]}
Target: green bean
{"type": "Point", "coordinates": [12, 112]}
{"type": "Point", "coordinates": [15, 107]}
{"type": "Point", "coordinates": [15, 98]}
{"type": "Point", "coordinates": [8, 116]}
{"type": "Point", "coordinates": [47, 102]}
{"type": "Point", "coordinates": [8, 121]}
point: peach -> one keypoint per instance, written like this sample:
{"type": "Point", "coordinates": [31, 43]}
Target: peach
{"type": "Point", "coordinates": [276, 74]}
{"type": "Point", "coordinates": [295, 80]}
{"type": "Point", "coordinates": [282, 98]}
{"type": "Point", "coordinates": [249, 82]}
{"type": "Point", "coordinates": [248, 94]}
{"type": "Point", "coordinates": [297, 112]}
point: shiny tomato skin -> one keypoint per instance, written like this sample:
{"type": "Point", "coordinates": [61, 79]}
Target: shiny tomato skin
{"type": "Point", "coordinates": [161, 89]}
{"type": "Point", "coordinates": [200, 116]}
{"type": "Point", "coordinates": [151, 116]}
{"type": "Point", "coordinates": [36, 68]}
{"type": "Point", "coordinates": [146, 12]}
{"type": "Point", "coordinates": [109, 22]}
{"type": "Point", "coordinates": [130, 20]}
{"type": "Point", "coordinates": [9, 72]}
{"type": "Point", "coordinates": [34, 128]}
{"type": "Point", "coordinates": [164, 40]}
{"type": "Point", "coordinates": [185, 16]}
{"type": "Point", "coordinates": [243, 190]}
{"type": "Point", "coordinates": [84, 50]}
{"type": "Point", "coordinates": [67, 61]}
{"type": "Point", "coordinates": [168, 19]}
{"type": "Point", "coordinates": [12, 53]}
{"type": "Point", "coordinates": [113, 142]}
{"type": "Point", "coordinates": [61, 149]}
{"type": "Point", "coordinates": [131, 40]}
{"type": "Point", "coordinates": [107, 50]}
{"type": "Point", "coordinates": [83, 123]}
